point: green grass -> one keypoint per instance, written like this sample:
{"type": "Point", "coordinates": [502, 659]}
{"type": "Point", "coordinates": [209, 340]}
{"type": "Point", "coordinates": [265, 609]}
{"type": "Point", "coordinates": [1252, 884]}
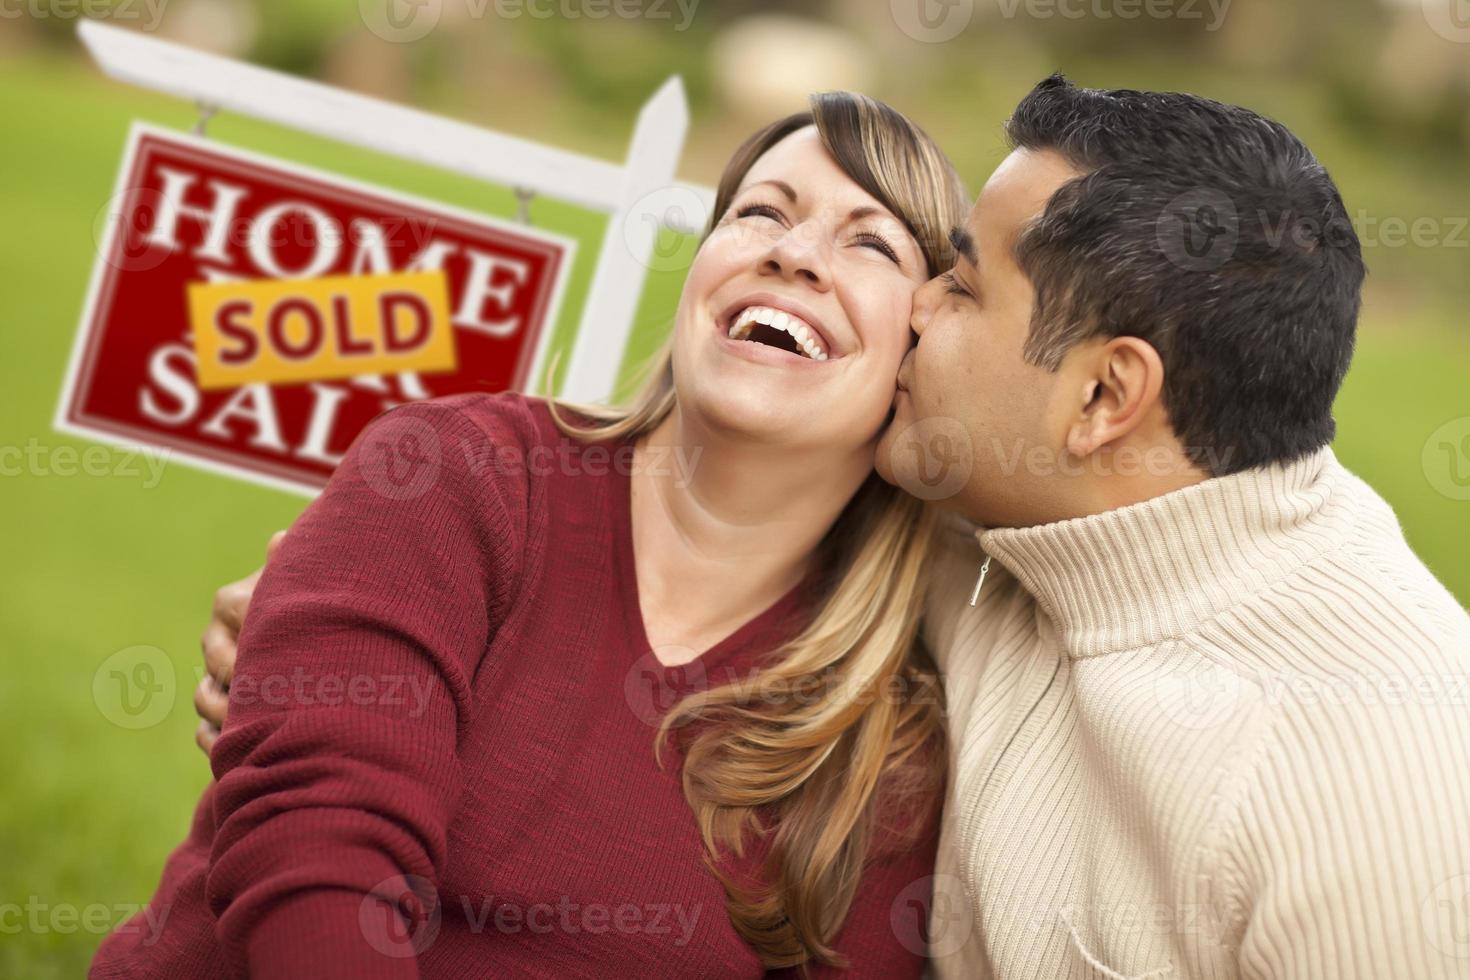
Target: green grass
{"type": "Point", "coordinates": [102, 563]}
{"type": "Point", "coordinates": [99, 564]}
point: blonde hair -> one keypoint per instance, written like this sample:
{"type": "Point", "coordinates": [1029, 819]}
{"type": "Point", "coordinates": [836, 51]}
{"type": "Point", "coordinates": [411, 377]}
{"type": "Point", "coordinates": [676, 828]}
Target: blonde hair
{"type": "Point", "coordinates": [856, 763]}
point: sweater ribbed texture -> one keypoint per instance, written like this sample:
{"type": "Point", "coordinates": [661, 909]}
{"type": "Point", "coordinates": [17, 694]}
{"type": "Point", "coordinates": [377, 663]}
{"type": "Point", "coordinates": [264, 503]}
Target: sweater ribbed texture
{"type": "Point", "coordinates": [1222, 733]}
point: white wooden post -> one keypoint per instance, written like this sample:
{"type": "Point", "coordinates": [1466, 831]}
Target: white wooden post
{"type": "Point", "coordinates": [619, 191]}
{"type": "Point", "coordinates": [627, 245]}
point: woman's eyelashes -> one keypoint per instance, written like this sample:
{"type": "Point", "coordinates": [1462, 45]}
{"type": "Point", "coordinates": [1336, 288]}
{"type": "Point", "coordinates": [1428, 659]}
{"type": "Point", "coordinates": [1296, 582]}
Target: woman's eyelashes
{"type": "Point", "coordinates": [761, 210]}
{"type": "Point", "coordinates": [864, 239]}
{"type": "Point", "coordinates": [878, 243]}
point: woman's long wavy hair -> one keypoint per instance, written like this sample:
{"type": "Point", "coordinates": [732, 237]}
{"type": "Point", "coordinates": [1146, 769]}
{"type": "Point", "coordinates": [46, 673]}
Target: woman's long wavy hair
{"type": "Point", "coordinates": [856, 764]}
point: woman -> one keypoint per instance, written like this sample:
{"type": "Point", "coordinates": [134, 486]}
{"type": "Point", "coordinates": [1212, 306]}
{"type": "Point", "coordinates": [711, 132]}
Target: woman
{"type": "Point", "coordinates": [448, 750]}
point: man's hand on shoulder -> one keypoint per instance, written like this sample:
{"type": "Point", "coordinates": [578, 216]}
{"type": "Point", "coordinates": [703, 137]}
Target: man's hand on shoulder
{"type": "Point", "coordinates": [212, 696]}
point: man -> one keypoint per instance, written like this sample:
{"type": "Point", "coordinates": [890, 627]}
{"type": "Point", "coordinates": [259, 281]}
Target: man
{"type": "Point", "coordinates": [1209, 712]}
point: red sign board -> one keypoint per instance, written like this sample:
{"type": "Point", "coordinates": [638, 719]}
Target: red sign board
{"type": "Point", "coordinates": [188, 210]}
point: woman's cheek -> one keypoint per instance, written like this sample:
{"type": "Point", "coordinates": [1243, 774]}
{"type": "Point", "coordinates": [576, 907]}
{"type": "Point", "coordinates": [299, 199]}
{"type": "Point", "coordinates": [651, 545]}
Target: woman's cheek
{"type": "Point", "coordinates": [903, 311]}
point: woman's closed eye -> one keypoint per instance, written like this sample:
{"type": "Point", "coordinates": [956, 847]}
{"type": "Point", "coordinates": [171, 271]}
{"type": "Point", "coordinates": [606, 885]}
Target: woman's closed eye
{"type": "Point", "coordinates": [863, 239]}
{"type": "Point", "coordinates": [875, 241]}
{"type": "Point", "coordinates": [761, 211]}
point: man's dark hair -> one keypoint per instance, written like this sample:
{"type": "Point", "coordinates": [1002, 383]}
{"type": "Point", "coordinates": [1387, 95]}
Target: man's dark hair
{"type": "Point", "coordinates": [1214, 234]}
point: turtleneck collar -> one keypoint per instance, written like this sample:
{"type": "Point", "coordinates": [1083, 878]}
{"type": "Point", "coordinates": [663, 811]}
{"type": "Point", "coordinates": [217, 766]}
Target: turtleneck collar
{"type": "Point", "coordinates": [1141, 574]}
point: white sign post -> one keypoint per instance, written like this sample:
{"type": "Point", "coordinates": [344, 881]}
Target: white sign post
{"type": "Point", "coordinates": [624, 192]}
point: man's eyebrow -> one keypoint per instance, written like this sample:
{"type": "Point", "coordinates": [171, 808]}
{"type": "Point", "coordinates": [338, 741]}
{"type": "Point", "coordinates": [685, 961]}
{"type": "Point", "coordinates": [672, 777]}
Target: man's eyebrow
{"type": "Point", "coordinates": [964, 243]}
{"type": "Point", "coordinates": [780, 185]}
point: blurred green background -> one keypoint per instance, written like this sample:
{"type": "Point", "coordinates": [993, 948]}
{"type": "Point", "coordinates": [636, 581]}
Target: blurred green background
{"type": "Point", "coordinates": [100, 564]}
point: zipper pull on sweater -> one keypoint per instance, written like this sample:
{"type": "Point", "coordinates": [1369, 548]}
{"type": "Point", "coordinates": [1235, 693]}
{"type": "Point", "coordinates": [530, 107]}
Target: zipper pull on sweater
{"type": "Point", "coordinates": [979, 582]}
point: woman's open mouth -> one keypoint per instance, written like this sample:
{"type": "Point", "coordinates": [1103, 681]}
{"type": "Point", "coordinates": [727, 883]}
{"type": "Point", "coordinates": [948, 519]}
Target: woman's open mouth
{"type": "Point", "coordinates": [771, 327]}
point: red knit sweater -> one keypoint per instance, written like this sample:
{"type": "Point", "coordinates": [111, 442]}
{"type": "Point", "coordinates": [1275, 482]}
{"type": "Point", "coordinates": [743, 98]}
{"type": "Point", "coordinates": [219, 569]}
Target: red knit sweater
{"type": "Point", "coordinates": [439, 753]}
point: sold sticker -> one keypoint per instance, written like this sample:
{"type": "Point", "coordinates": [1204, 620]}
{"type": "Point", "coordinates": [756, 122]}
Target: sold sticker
{"type": "Point", "coordinates": [320, 329]}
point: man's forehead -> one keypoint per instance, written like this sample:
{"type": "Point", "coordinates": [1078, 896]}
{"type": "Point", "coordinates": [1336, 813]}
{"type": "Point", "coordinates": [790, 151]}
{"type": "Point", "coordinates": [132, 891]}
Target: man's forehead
{"type": "Point", "coordinates": [1016, 194]}
{"type": "Point", "coordinates": [1031, 172]}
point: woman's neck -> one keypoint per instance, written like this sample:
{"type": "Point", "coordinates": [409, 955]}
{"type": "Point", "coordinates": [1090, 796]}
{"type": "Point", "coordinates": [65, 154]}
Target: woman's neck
{"type": "Point", "coordinates": [723, 527]}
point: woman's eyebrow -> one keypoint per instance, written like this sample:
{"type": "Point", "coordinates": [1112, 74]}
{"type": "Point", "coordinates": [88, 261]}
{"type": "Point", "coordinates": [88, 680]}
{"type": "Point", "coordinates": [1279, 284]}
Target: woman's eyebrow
{"type": "Point", "coordinates": [780, 185]}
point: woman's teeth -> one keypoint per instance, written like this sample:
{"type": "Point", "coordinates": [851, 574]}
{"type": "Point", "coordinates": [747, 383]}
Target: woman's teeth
{"type": "Point", "coordinates": [806, 338]}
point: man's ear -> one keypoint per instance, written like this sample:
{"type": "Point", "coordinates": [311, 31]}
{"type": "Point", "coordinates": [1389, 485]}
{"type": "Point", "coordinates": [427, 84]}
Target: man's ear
{"type": "Point", "coordinates": [1120, 382]}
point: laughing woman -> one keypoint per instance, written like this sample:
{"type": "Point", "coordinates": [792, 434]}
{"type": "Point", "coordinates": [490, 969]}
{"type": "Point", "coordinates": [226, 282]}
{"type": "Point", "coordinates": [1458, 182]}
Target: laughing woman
{"type": "Point", "coordinates": [538, 691]}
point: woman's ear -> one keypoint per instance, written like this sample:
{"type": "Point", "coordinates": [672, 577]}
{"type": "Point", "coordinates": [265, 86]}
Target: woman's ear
{"type": "Point", "coordinates": [1120, 381]}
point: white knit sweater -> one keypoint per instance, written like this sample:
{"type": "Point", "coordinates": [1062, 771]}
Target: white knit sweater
{"type": "Point", "coordinates": [1222, 733]}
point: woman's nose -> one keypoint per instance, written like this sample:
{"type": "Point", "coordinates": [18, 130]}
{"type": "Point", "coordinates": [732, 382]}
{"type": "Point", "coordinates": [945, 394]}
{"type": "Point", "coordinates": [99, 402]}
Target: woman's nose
{"type": "Point", "coordinates": [924, 305]}
{"type": "Point", "coordinates": [799, 255]}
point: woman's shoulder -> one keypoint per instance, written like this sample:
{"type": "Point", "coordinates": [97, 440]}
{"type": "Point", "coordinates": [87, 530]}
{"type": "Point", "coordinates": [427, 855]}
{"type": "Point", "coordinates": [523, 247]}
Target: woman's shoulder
{"type": "Point", "coordinates": [482, 431]}
{"type": "Point", "coordinates": [465, 453]}
{"type": "Point", "coordinates": [506, 418]}
{"type": "Point", "coordinates": [510, 417]}
{"type": "Point", "coordinates": [507, 445]}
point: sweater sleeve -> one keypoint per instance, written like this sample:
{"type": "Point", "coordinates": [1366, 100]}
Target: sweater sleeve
{"type": "Point", "coordinates": [337, 769]}
{"type": "Point", "coordinates": [1354, 855]}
